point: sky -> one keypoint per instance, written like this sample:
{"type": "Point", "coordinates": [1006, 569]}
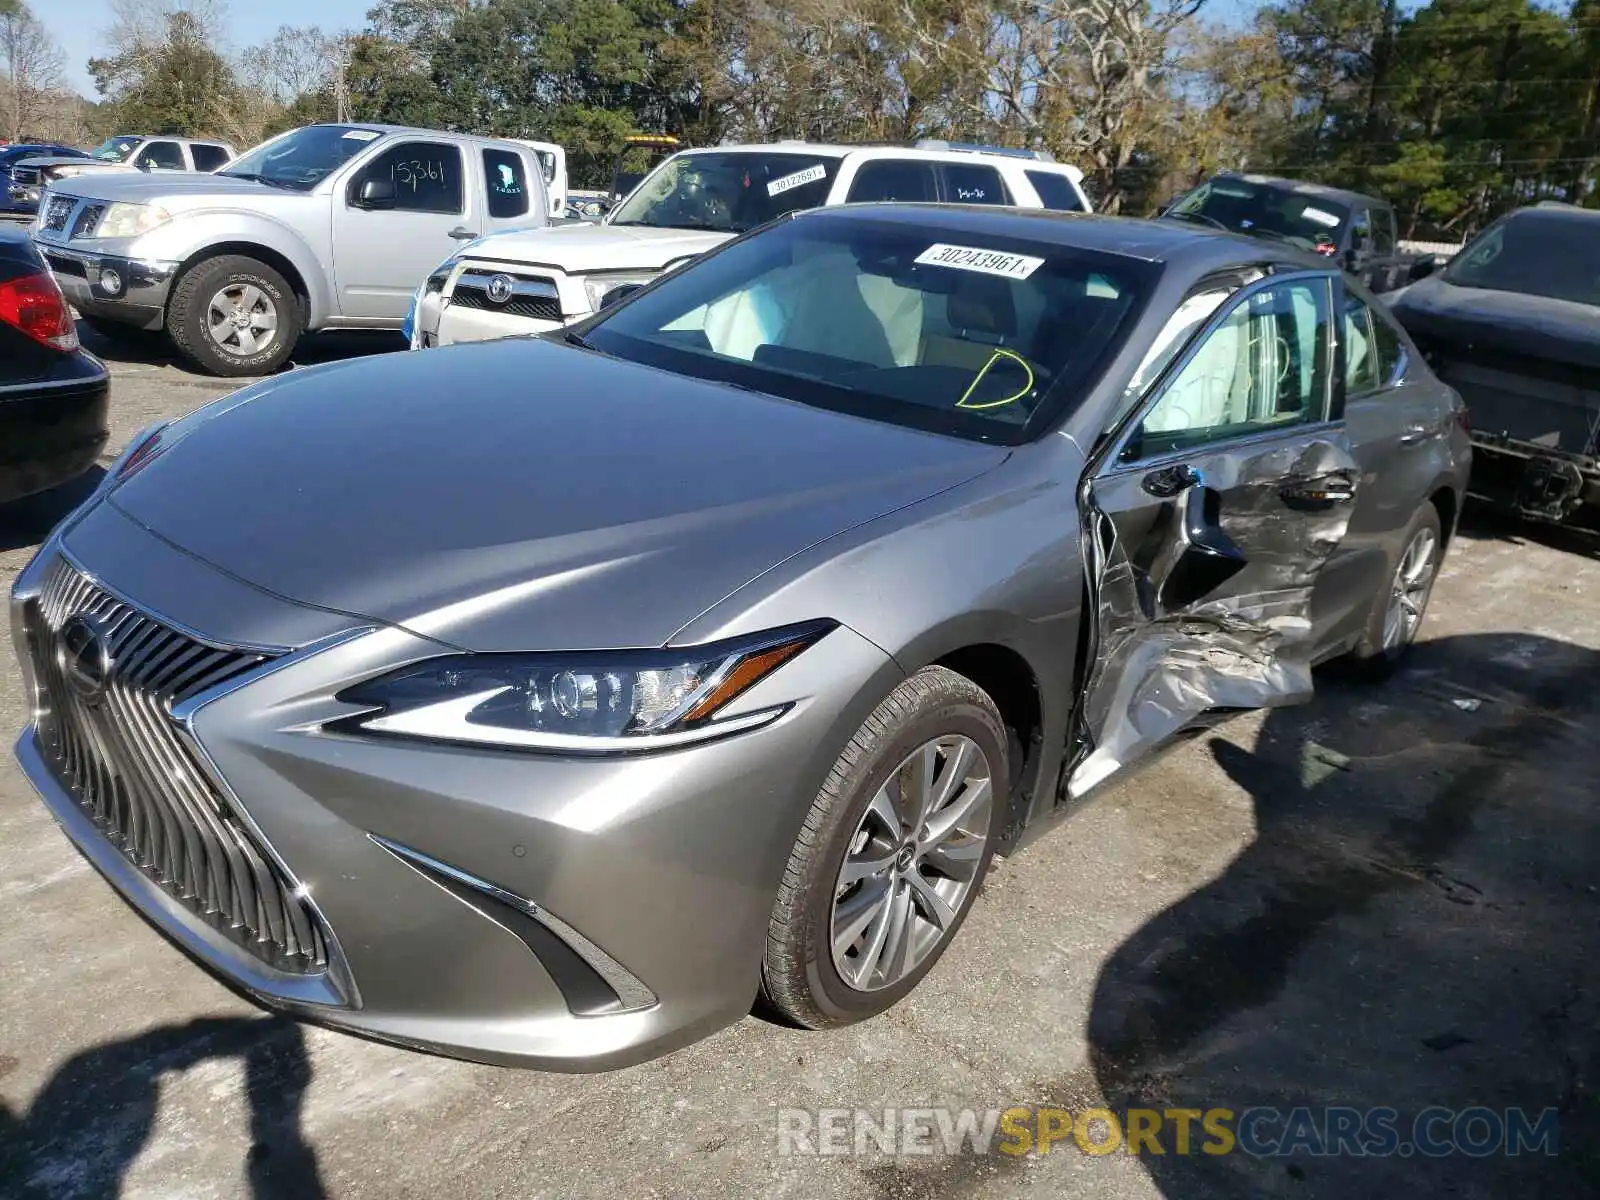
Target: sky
{"type": "Point", "coordinates": [79, 25]}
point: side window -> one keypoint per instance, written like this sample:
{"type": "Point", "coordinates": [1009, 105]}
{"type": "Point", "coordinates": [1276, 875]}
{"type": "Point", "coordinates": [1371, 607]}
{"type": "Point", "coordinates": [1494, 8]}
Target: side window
{"type": "Point", "coordinates": [206, 157]}
{"type": "Point", "coordinates": [507, 181]}
{"type": "Point", "coordinates": [1387, 342]}
{"type": "Point", "coordinates": [1382, 231]}
{"type": "Point", "coordinates": [1056, 191]}
{"type": "Point", "coordinates": [1362, 373]}
{"type": "Point", "coordinates": [1263, 368]}
{"type": "Point", "coordinates": [974, 183]}
{"type": "Point", "coordinates": [893, 179]}
{"type": "Point", "coordinates": [161, 156]}
{"type": "Point", "coordinates": [426, 176]}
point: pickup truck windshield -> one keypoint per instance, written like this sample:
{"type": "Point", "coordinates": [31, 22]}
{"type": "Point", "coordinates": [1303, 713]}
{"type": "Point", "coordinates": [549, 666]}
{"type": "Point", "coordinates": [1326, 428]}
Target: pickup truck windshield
{"type": "Point", "coordinates": [929, 324]}
{"type": "Point", "coordinates": [1536, 253]}
{"type": "Point", "coordinates": [302, 158]}
{"type": "Point", "coordinates": [115, 149]}
{"type": "Point", "coordinates": [1240, 206]}
{"type": "Point", "coordinates": [727, 192]}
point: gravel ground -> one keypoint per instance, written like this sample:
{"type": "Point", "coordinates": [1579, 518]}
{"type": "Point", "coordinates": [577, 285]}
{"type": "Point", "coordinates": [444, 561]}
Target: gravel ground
{"type": "Point", "coordinates": [1384, 898]}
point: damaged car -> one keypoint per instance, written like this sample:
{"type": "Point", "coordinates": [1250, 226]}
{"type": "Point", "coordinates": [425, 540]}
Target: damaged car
{"type": "Point", "coordinates": [701, 655]}
{"type": "Point", "coordinates": [1513, 324]}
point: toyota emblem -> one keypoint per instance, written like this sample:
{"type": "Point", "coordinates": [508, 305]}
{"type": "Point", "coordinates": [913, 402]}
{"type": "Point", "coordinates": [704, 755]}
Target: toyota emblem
{"type": "Point", "coordinates": [499, 288]}
{"type": "Point", "coordinates": [84, 657]}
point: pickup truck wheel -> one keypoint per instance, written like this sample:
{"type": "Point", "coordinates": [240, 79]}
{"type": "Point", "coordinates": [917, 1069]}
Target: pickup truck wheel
{"type": "Point", "coordinates": [233, 316]}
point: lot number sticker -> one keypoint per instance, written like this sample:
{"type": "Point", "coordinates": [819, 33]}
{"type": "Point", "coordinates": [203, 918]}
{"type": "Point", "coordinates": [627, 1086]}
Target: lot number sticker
{"type": "Point", "coordinates": [971, 258]}
{"type": "Point", "coordinates": [1320, 216]}
{"type": "Point", "coordinates": [798, 179]}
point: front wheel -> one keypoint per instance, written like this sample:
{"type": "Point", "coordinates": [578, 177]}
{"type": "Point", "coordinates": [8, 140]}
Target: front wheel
{"type": "Point", "coordinates": [1397, 613]}
{"type": "Point", "coordinates": [891, 854]}
{"type": "Point", "coordinates": [234, 316]}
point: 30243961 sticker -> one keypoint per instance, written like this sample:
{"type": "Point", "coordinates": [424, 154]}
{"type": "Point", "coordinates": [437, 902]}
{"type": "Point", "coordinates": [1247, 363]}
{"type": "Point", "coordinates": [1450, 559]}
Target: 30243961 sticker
{"type": "Point", "coordinates": [796, 179]}
{"type": "Point", "coordinates": [975, 258]}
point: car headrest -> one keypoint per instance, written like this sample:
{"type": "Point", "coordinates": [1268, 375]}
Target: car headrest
{"type": "Point", "coordinates": [983, 304]}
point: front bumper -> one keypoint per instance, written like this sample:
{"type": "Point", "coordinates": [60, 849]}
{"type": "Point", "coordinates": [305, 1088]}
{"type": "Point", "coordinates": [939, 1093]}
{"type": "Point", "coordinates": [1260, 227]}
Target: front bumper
{"type": "Point", "coordinates": [51, 433]}
{"type": "Point", "coordinates": [127, 290]}
{"type": "Point", "coordinates": [471, 898]}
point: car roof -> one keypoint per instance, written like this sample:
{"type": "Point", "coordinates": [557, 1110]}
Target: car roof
{"type": "Point", "coordinates": [1306, 187]}
{"type": "Point", "coordinates": [1199, 248]}
{"type": "Point", "coordinates": [884, 150]}
{"type": "Point", "coordinates": [1557, 210]}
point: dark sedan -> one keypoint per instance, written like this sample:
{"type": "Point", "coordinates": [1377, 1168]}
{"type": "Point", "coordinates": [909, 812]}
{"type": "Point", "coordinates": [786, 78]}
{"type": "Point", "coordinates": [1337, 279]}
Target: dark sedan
{"type": "Point", "coordinates": [19, 189]}
{"type": "Point", "coordinates": [1513, 324]}
{"type": "Point", "coordinates": [53, 395]}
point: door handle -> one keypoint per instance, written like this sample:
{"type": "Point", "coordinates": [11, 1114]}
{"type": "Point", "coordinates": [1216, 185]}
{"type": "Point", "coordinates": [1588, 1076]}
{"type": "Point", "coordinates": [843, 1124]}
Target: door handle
{"type": "Point", "coordinates": [1413, 435]}
{"type": "Point", "coordinates": [1167, 482]}
{"type": "Point", "coordinates": [462, 234]}
{"type": "Point", "coordinates": [1320, 492]}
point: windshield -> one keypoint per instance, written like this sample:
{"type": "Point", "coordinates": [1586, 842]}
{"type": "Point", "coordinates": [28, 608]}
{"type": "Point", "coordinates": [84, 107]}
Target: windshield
{"type": "Point", "coordinates": [302, 158]}
{"type": "Point", "coordinates": [115, 149]}
{"type": "Point", "coordinates": [727, 192]}
{"type": "Point", "coordinates": [935, 326]}
{"type": "Point", "coordinates": [1552, 254]}
{"type": "Point", "coordinates": [1240, 206]}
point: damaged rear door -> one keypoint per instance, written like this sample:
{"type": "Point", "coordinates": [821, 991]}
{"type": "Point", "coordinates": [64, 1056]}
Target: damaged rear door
{"type": "Point", "coordinates": [1207, 518]}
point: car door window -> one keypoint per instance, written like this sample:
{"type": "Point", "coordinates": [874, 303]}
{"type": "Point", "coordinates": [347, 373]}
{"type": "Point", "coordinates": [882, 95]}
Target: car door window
{"type": "Point", "coordinates": [1263, 367]}
{"type": "Point", "coordinates": [1382, 231]}
{"type": "Point", "coordinates": [974, 183]}
{"type": "Point", "coordinates": [507, 182]}
{"type": "Point", "coordinates": [894, 179]}
{"type": "Point", "coordinates": [1360, 230]}
{"type": "Point", "coordinates": [208, 158]}
{"type": "Point", "coordinates": [1391, 352]}
{"type": "Point", "coordinates": [1055, 191]}
{"type": "Point", "coordinates": [1362, 371]}
{"type": "Point", "coordinates": [426, 176]}
{"type": "Point", "coordinates": [161, 156]}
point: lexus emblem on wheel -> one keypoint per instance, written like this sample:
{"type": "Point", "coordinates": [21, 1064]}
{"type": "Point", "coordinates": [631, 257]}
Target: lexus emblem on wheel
{"type": "Point", "coordinates": [84, 657]}
{"type": "Point", "coordinates": [499, 288]}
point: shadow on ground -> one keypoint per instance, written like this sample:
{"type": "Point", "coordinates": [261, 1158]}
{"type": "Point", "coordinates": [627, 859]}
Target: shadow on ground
{"type": "Point", "coordinates": [1416, 924]}
{"type": "Point", "coordinates": [128, 345]}
{"type": "Point", "coordinates": [89, 1123]}
{"type": "Point", "coordinates": [28, 521]}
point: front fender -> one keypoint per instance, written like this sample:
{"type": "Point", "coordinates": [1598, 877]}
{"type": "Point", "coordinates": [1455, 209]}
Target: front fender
{"type": "Point", "coordinates": [191, 236]}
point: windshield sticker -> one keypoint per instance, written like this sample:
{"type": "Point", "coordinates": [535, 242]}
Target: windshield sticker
{"type": "Point", "coordinates": [1320, 216]}
{"type": "Point", "coordinates": [360, 135]}
{"type": "Point", "coordinates": [797, 179]}
{"type": "Point", "coordinates": [988, 262]}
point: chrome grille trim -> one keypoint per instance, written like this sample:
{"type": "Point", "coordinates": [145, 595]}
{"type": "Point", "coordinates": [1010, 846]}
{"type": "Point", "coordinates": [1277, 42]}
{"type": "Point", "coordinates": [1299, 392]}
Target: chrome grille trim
{"type": "Point", "coordinates": [123, 759]}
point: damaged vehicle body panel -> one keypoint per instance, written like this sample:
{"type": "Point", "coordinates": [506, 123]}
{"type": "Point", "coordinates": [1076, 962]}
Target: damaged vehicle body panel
{"type": "Point", "coordinates": [1513, 324]}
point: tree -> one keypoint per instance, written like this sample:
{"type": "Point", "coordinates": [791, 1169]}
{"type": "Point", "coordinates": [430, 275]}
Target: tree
{"type": "Point", "coordinates": [179, 85]}
{"type": "Point", "coordinates": [33, 65]}
{"type": "Point", "coordinates": [295, 62]}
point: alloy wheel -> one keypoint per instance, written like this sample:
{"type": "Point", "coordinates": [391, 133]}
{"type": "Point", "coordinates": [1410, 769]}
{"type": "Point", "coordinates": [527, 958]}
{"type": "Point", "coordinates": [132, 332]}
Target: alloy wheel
{"type": "Point", "coordinates": [911, 863]}
{"type": "Point", "coordinates": [242, 319]}
{"type": "Point", "coordinates": [1409, 591]}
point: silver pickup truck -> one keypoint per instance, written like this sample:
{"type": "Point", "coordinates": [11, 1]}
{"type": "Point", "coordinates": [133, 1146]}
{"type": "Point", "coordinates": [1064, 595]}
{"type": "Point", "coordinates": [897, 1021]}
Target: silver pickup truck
{"type": "Point", "coordinates": [324, 227]}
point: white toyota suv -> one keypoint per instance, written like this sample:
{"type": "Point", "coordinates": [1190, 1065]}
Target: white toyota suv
{"type": "Point", "coordinates": [533, 280]}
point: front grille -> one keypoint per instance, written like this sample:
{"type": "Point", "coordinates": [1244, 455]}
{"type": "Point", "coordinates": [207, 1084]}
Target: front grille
{"type": "Point", "coordinates": [56, 213]}
{"type": "Point", "coordinates": [116, 749]}
{"type": "Point", "coordinates": [532, 296]}
{"type": "Point", "coordinates": [25, 176]}
{"type": "Point", "coordinates": [62, 265]}
{"type": "Point", "coordinates": [88, 218]}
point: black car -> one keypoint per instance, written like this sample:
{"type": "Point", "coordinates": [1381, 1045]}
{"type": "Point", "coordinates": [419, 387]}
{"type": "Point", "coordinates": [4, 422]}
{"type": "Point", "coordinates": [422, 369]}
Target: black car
{"type": "Point", "coordinates": [1513, 324]}
{"type": "Point", "coordinates": [1358, 231]}
{"type": "Point", "coordinates": [54, 396]}
{"type": "Point", "coordinates": [19, 191]}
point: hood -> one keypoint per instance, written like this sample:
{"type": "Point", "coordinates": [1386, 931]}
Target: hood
{"type": "Point", "coordinates": [1436, 310]}
{"type": "Point", "coordinates": [522, 494]}
{"type": "Point", "coordinates": [579, 249]}
{"type": "Point", "coordinates": [139, 187]}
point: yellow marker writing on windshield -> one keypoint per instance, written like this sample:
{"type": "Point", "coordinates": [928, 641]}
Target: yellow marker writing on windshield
{"type": "Point", "coordinates": [978, 378]}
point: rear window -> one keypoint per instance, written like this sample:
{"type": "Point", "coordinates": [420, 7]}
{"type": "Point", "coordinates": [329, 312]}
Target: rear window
{"type": "Point", "coordinates": [1055, 191]}
{"type": "Point", "coordinates": [507, 183]}
{"type": "Point", "coordinates": [208, 158]}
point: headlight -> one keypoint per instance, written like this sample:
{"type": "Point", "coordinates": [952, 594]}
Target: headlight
{"type": "Point", "coordinates": [436, 278]}
{"type": "Point", "coordinates": [598, 285]}
{"type": "Point", "coordinates": [597, 702]}
{"type": "Point", "coordinates": [130, 220]}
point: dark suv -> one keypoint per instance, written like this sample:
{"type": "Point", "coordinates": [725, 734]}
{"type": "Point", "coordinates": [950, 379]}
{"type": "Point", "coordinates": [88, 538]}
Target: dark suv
{"type": "Point", "coordinates": [1356, 230]}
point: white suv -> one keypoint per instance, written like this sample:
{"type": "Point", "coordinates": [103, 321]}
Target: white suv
{"type": "Point", "coordinates": [530, 281]}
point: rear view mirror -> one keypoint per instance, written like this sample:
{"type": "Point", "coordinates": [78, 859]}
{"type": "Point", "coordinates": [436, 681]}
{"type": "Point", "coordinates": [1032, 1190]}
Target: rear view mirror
{"type": "Point", "coordinates": [1422, 268]}
{"type": "Point", "coordinates": [376, 193]}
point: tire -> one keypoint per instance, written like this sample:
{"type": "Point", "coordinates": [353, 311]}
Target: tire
{"type": "Point", "coordinates": [801, 980]}
{"type": "Point", "coordinates": [234, 284]}
{"type": "Point", "coordinates": [1380, 652]}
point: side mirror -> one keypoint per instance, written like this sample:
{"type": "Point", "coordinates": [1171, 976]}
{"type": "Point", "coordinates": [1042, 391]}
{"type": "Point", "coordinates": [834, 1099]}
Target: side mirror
{"type": "Point", "coordinates": [1422, 268]}
{"type": "Point", "coordinates": [618, 294]}
{"type": "Point", "coordinates": [143, 164]}
{"type": "Point", "coordinates": [376, 193]}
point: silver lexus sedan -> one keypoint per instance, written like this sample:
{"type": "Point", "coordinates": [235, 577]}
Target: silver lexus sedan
{"type": "Point", "coordinates": [552, 702]}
